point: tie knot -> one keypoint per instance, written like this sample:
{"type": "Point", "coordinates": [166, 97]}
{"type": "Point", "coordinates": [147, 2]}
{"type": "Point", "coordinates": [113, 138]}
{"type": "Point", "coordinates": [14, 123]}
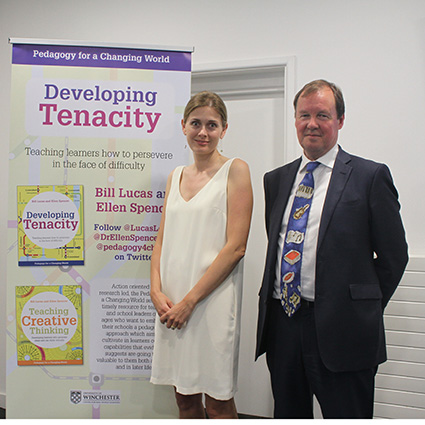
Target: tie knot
{"type": "Point", "coordinates": [311, 166]}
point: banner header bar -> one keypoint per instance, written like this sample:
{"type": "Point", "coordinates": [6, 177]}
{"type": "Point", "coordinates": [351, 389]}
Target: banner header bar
{"type": "Point", "coordinates": [100, 57]}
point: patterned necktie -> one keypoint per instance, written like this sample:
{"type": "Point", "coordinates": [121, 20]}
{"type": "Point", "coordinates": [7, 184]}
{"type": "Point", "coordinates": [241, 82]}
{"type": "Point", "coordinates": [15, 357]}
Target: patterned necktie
{"type": "Point", "coordinates": [290, 284]}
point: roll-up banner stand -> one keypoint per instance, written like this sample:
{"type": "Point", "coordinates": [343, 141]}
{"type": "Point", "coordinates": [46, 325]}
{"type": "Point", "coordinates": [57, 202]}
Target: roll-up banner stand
{"type": "Point", "coordinates": [95, 131]}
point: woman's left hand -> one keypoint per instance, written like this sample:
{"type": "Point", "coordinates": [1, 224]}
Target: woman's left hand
{"type": "Point", "coordinates": [178, 315]}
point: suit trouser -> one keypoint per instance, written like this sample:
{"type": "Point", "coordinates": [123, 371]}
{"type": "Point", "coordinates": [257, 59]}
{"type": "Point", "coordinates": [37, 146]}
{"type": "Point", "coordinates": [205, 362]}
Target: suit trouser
{"type": "Point", "coordinates": [297, 372]}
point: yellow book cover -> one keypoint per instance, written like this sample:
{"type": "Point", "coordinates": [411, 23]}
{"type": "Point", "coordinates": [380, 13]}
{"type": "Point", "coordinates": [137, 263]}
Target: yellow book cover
{"type": "Point", "coordinates": [48, 325]}
{"type": "Point", "coordinates": [50, 225]}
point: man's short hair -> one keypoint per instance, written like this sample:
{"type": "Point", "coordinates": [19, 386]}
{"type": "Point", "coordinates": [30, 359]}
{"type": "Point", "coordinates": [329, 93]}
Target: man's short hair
{"type": "Point", "coordinates": [317, 85]}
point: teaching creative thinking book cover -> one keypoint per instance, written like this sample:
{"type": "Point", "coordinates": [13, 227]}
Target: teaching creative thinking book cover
{"type": "Point", "coordinates": [50, 225]}
{"type": "Point", "coordinates": [49, 325]}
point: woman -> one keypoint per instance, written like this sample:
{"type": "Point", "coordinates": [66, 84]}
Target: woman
{"type": "Point", "coordinates": [196, 273]}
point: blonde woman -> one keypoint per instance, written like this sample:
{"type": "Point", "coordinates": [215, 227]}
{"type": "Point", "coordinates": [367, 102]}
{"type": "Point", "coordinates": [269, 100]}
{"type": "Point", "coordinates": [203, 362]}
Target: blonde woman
{"type": "Point", "coordinates": [196, 268]}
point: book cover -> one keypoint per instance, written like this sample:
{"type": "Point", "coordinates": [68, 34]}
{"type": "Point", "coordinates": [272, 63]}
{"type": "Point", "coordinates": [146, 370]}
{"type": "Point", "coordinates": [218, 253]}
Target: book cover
{"type": "Point", "coordinates": [49, 325]}
{"type": "Point", "coordinates": [50, 225]}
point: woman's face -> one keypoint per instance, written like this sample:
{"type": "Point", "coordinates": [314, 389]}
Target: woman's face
{"type": "Point", "coordinates": [203, 130]}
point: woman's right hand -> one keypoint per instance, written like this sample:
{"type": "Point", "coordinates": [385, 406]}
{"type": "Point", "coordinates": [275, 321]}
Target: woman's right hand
{"type": "Point", "coordinates": [161, 303]}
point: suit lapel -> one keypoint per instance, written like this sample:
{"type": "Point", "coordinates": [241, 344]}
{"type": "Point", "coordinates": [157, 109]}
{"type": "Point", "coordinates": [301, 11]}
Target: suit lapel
{"type": "Point", "coordinates": [280, 189]}
{"type": "Point", "coordinates": [340, 175]}
{"type": "Point", "coordinates": [285, 184]}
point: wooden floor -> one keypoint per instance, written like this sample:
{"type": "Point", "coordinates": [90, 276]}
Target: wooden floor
{"type": "Point", "coordinates": [241, 416]}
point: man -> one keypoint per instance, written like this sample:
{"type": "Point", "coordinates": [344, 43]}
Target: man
{"type": "Point", "coordinates": [321, 306]}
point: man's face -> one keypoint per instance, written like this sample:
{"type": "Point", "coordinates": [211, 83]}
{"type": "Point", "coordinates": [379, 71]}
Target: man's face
{"type": "Point", "coordinates": [317, 123]}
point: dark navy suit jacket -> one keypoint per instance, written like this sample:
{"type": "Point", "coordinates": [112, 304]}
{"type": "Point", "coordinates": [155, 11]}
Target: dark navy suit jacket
{"type": "Point", "coordinates": [361, 257]}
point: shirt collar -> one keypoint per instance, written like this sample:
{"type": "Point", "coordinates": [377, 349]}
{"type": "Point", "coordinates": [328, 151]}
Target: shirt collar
{"type": "Point", "coordinates": [328, 159]}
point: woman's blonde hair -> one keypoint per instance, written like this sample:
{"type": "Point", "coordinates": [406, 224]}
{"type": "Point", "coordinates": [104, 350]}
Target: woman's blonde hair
{"type": "Point", "coordinates": [206, 98]}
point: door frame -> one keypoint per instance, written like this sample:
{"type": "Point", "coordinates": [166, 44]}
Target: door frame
{"type": "Point", "coordinates": [255, 78]}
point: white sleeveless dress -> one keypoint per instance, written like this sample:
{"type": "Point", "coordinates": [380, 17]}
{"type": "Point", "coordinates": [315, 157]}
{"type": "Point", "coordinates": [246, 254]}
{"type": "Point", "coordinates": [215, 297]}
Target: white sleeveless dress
{"type": "Point", "coordinates": [203, 356]}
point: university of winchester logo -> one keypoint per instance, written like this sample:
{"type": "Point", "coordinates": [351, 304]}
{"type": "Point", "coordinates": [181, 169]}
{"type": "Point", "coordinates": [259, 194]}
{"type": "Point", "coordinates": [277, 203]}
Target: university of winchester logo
{"type": "Point", "coordinates": [75, 397]}
{"type": "Point", "coordinates": [95, 396]}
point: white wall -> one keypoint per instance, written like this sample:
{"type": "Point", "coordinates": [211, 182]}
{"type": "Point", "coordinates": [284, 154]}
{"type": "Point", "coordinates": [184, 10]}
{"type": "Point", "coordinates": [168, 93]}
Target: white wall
{"type": "Point", "coordinates": [373, 49]}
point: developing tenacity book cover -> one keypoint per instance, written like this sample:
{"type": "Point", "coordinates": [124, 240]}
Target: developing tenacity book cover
{"type": "Point", "coordinates": [50, 225]}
